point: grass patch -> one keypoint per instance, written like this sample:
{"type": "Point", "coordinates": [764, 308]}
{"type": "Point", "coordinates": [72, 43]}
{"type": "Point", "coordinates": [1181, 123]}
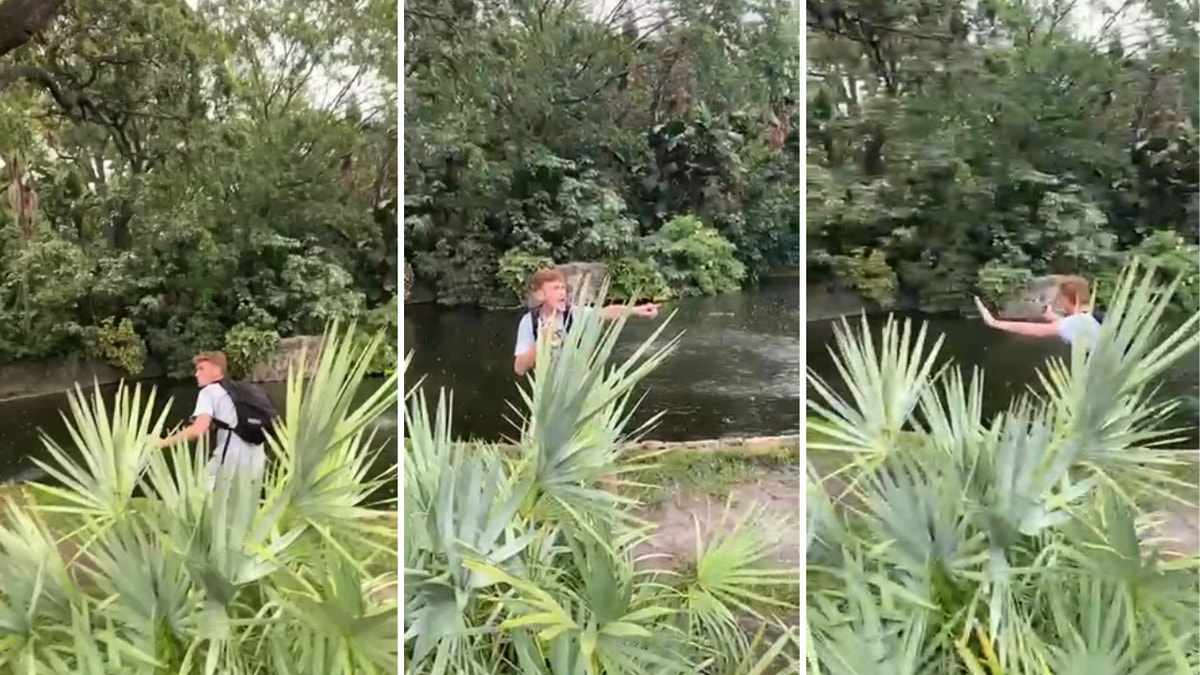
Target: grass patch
{"type": "Point", "coordinates": [710, 472]}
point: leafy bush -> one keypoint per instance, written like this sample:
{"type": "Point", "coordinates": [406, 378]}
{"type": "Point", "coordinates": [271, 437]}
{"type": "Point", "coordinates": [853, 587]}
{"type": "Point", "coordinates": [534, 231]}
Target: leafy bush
{"type": "Point", "coordinates": [131, 565]}
{"type": "Point", "coordinates": [524, 563]}
{"type": "Point", "coordinates": [382, 321]}
{"type": "Point", "coordinates": [633, 279]}
{"type": "Point", "coordinates": [1172, 258]}
{"type": "Point", "coordinates": [246, 347]}
{"type": "Point", "coordinates": [998, 282]}
{"type": "Point", "coordinates": [1004, 545]}
{"type": "Point", "coordinates": [695, 258]}
{"type": "Point", "coordinates": [869, 274]}
{"type": "Point", "coordinates": [516, 270]}
{"type": "Point", "coordinates": [119, 344]}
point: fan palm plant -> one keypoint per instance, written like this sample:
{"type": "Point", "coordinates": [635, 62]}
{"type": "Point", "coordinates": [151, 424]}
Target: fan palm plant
{"type": "Point", "coordinates": [529, 558]}
{"type": "Point", "coordinates": [1014, 544]}
{"type": "Point", "coordinates": [130, 564]}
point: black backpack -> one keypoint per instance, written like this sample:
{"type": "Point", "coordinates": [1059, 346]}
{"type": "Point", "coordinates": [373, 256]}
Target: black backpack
{"type": "Point", "coordinates": [535, 316]}
{"type": "Point", "coordinates": [255, 411]}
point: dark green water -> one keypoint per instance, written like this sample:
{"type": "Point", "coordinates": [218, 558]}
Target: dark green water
{"type": "Point", "coordinates": [23, 420]}
{"type": "Point", "coordinates": [736, 373]}
{"type": "Point", "coordinates": [1009, 362]}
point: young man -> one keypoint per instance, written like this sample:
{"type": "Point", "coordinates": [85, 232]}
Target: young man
{"type": "Point", "coordinates": [552, 317]}
{"type": "Point", "coordinates": [230, 452]}
{"type": "Point", "coordinates": [1078, 324]}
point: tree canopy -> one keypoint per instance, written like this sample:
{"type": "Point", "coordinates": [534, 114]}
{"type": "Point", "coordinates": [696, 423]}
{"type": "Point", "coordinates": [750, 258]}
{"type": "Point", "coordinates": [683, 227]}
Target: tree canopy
{"type": "Point", "coordinates": [540, 132]}
{"type": "Point", "coordinates": [955, 147]}
{"type": "Point", "coordinates": [193, 175]}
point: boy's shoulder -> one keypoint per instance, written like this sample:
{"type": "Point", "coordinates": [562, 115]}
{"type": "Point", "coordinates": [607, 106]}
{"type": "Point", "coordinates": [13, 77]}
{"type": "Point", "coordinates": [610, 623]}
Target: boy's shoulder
{"type": "Point", "coordinates": [214, 389]}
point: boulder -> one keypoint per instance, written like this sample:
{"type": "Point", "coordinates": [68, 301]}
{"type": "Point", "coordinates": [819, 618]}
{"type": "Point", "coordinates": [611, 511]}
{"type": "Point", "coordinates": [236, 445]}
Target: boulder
{"type": "Point", "coordinates": [1029, 303]}
{"type": "Point", "coordinates": [591, 276]}
{"type": "Point", "coordinates": [289, 351]}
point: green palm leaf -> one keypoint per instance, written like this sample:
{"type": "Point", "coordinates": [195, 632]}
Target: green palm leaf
{"type": "Point", "coordinates": [110, 449]}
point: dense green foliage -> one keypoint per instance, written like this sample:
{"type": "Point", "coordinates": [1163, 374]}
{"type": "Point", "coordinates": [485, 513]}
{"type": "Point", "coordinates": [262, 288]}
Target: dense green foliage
{"type": "Point", "coordinates": [195, 175]}
{"type": "Point", "coordinates": [543, 131]}
{"type": "Point", "coordinates": [955, 146]}
{"type": "Point", "coordinates": [946, 541]}
{"type": "Point", "coordinates": [132, 565]}
{"type": "Point", "coordinates": [535, 560]}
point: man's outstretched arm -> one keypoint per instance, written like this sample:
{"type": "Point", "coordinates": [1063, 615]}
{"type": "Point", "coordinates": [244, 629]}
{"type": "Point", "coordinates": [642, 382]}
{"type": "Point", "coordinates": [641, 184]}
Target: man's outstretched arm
{"type": "Point", "coordinates": [1041, 329]}
{"type": "Point", "coordinates": [1047, 329]}
{"type": "Point", "coordinates": [646, 310]}
{"type": "Point", "coordinates": [196, 429]}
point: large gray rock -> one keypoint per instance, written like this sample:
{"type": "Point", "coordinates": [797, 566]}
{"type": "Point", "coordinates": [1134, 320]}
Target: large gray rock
{"type": "Point", "coordinates": [303, 352]}
{"type": "Point", "coordinates": [1029, 303]}
{"type": "Point", "coordinates": [591, 276]}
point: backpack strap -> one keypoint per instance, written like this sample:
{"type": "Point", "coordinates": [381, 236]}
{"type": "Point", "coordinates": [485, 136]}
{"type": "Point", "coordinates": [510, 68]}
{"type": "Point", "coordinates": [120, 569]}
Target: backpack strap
{"type": "Point", "coordinates": [216, 422]}
{"type": "Point", "coordinates": [219, 425]}
{"type": "Point", "coordinates": [535, 316]}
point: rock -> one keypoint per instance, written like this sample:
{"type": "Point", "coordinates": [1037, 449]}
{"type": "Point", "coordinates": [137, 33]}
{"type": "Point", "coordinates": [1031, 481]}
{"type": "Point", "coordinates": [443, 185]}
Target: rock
{"type": "Point", "coordinates": [1028, 304]}
{"type": "Point", "coordinates": [587, 277]}
{"type": "Point", "coordinates": [416, 292]}
{"type": "Point", "coordinates": [289, 351]}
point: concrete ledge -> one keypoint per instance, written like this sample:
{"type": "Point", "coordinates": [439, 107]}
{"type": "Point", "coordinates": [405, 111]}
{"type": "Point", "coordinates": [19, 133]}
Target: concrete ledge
{"type": "Point", "coordinates": [47, 377]}
{"type": "Point", "coordinates": [731, 445]}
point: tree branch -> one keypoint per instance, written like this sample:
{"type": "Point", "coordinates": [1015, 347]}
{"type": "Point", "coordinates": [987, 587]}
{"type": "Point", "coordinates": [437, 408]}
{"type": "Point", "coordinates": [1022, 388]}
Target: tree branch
{"type": "Point", "coordinates": [21, 20]}
{"type": "Point", "coordinates": [71, 103]}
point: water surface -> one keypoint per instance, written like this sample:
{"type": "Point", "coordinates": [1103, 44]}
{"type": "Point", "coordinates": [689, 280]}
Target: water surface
{"type": "Point", "coordinates": [1009, 362]}
{"type": "Point", "coordinates": [737, 370]}
{"type": "Point", "coordinates": [23, 421]}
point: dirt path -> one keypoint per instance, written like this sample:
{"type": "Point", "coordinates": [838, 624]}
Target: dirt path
{"type": "Point", "coordinates": [691, 511]}
{"type": "Point", "coordinates": [1179, 529]}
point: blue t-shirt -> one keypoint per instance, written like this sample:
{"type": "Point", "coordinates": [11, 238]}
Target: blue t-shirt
{"type": "Point", "coordinates": [1082, 326]}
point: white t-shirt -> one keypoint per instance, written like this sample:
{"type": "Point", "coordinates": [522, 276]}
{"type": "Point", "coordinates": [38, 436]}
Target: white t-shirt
{"type": "Point", "coordinates": [527, 333]}
{"type": "Point", "coordinates": [1079, 327]}
{"type": "Point", "coordinates": [229, 450]}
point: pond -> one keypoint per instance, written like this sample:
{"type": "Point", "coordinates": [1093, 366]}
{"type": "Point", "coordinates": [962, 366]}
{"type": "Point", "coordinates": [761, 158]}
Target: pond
{"type": "Point", "coordinates": [25, 419]}
{"type": "Point", "coordinates": [1009, 362]}
{"type": "Point", "coordinates": [736, 372]}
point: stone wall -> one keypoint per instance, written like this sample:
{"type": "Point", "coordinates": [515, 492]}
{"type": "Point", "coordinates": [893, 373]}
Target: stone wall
{"type": "Point", "coordinates": [748, 445]}
{"type": "Point", "coordinates": [416, 292]}
{"type": "Point", "coordinates": [44, 377]}
{"type": "Point", "coordinates": [290, 350]}
{"type": "Point", "coordinates": [828, 301]}
{"type": "Point", "coordinates": [733, 444]}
